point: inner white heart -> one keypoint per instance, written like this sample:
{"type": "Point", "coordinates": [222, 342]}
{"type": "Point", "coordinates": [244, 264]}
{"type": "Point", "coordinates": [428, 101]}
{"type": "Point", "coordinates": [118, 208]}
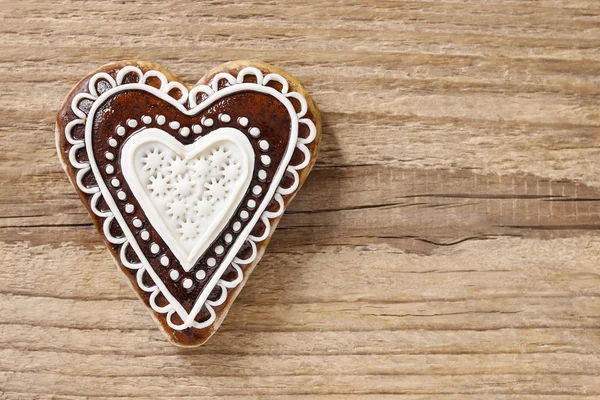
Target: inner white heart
{"type": "Point", "coordinates": [188, 192]}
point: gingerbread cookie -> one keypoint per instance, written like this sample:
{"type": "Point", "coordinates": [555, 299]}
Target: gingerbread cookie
{"type": "Point", "coordinates": [186, 185]}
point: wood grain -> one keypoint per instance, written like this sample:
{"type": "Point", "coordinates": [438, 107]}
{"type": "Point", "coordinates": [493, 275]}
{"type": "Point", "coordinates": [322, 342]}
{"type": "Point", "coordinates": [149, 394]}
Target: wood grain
{"type": "Point", "coordinates": [446, 246]}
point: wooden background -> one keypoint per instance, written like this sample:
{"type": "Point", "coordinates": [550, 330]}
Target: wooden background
{"type": "Point", "coordinates": [446, 246]}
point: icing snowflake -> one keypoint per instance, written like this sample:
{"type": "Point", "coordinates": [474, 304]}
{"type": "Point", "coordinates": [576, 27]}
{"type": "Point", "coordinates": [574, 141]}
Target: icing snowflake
{"type": "Point", "coordinates": [188, 229]}
{"type": "Point", "coordinates": [203, 208]}
{"type": "Point", "coordinates": [177, 166]}
{"type": "Point", "coordinates": [184, 186]}
{"type": "Point", "coordinates": [189, 190]}
{"type": "Point", "coordinates": [159, 185]}
{"type": "Point", "coordinates": [231, 171]}
{"type": "Point", "coordinates": [177, 209]}
{"type": "Point", "coordinates": [153, 160]}
{"type": "Point", "coordinates": [219, 157]}
{"type": "Point", "coordinates": [201, 167]}
{"type": "Point", "coordinates": [216, 189]}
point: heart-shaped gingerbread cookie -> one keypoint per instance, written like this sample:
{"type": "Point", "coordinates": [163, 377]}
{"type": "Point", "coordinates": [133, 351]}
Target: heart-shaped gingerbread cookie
{"type": "Point", "coordinates": [186, 185]}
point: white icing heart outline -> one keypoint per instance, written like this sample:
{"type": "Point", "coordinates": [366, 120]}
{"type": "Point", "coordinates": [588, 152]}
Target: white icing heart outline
{"type": "Point", "coordinates": [186, 152]}
{"type": "Point", "coordinates": [177, 307]}
{"type": "Point", "coordinates": [94, 191]}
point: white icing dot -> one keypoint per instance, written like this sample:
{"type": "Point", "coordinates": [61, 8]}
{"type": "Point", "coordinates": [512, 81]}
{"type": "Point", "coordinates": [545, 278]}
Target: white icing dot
{"type": "Point", "coordinates": [110, 169]}
{"type": "Point", "coordinates": [109, 155]}
{"type": "Point", "coordinates": [129, 208]}
{"type": "Point", "coordinates": [136, 221]}
{"type": "Point", "coordinates": [224, 118]}
{"type": "Point", "coordinates": [154, 248]}
{"type": "Point", "coordinates": [219, 249]}
{"type": "Point", "coordinates": [196, 128]}
{"type": "Point", "coordinates": [174, 274]}
{"type": "Point", "coordinates": [243, 121]}
{"type": "Point", "coordinates": [112, 142]}
{"type": "Point", "coordinates": [174, 125]}
{"type": "Point", "coordinates": [211, 262]}
{"type": "Point", "coordinates": [251, 204]}
{"type": "Point", "coordinates": [200, 275]}
{"type": "Point", "coordinates": [161, 120]}
{"type": "Point", "coordinates": [262, 174]}
{"type": "Point", "coordinates": [146, 119]}
{"type": "Point", "coordinates": [228, 238]}
{"type": "Point", "coordinates": [265, 160]}
{"type": "Point", "coordinates": [164, 261]}
{"type": "Point", "coordinates": [244, 215]}
{"type": "Point", "coordinates": [132, 123]}
{"type": "Point", "coordinates": [237, 226]}
{"type": "Point", "coordinates": [145, 235]}
{"type": "Point", "coordinates": [115, 182]}
{"type": "Point", "coordinates": [185, 131]}
{"type": "Point", "coordinates": [122, 196]}
{"type": "Point", "coordinates": [207, 122]}
{"type": "Point", "coordinates": [120, 131]}
{"type": "Point", "coordinates": [264, 145]}
{"type": "Point", "coordinates": [255, 132]}
{"type": "Point", "coordinates": [187, 283]}
{"type": "Point", "coordinates": [257, 190]}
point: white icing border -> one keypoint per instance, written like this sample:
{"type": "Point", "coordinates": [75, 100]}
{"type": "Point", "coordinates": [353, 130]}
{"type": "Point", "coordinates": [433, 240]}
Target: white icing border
{"type": "Point", "coordinates": [233, 135]}
{"type": "Point", "coordinates": [214, 93]}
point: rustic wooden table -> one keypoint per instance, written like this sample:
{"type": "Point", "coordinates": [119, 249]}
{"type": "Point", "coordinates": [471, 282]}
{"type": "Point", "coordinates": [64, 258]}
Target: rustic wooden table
{"type": "Point", "coordinates": [446, 246]}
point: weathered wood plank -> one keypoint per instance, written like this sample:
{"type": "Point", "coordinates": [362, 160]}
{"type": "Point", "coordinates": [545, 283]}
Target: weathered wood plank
{"type": "Point", "coordinates": [446, 245]}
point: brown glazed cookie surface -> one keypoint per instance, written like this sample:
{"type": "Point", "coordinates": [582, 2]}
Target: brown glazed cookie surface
{"type": "Point", "coordinates": [186, 185]}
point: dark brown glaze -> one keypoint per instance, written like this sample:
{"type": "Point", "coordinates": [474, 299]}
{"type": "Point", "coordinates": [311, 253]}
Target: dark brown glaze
{"type": "Point", "coordinates": [262, 110]}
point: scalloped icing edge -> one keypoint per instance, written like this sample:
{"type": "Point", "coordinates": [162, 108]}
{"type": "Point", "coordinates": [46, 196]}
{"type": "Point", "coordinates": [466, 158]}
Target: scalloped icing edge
{"type": "Point", "coordinates": [269, 219]}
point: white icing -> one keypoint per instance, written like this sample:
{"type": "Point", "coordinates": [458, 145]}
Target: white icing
{"type": "Point", "coordinates": [112, 142]}
{"type": "Point", "coordinates": [250, 71]}
{"type": "Point", "coordinates": [197, 129]}
{"type": "Point", "coordinates": [187, 283]}
{"type": "Point", "coordinates": [219, 249]}
{"type": "Point", "coordinates": [132, 123]}
{"type": "Point", "coordinates": [109, 169]}
{"type": "Point", "coordinates": [265, 160]}
{"type": "Point", "coordinates": [164, 261]}
{"type": "Point", "coordinates": [145, 235]}
{"type": "Point", "coordinates": [244, 215]}
{"type": "Point", "coordinates": [109, 155]}
{"type": "Point", "coordinates": [255, 132]}
{"type": "Point", "coordinates": [257, 190]}
{"type": "Point", "coordinates": [264, 145]}
{"type": "Point", "coordinates": [243, 121]}
{"type": "Point", "coordinates": [237, 226]}
{"type": "Point", "coordinates": [146, 119]}
{"type": "Point", "coordinates": [121, 195]}
{"type": "Point", "coordinates": [174, 125]}
{"type": "Point", "coordinates": [115, 182]}
{"type": "Point", "coordinates": [94, 81]}
{"type": "Point", "coordinates": [213, 93]}
{"type": "Point", "coordinates": [207, 122]}
{"type": "Point", "coordinates": [161, 120]}
{"type": "Point", "coordinates": [185, 131]}
{"type": "Point", "coordinates": [188, 192]}
{"type": "Point", "coordinates": [228, 238]}
{"type": "Point", "coordinates": [251, 203]}
{"type": "Point", "coordinates": [155, 249]}
{"type": "Point", "coordinates": [120, 131]}
{"type": "Point", "coordinates": [174, 274]}
{"type": "Point", "coordinates": [211, 262]}
{"type": "Point", "coordinates": [224, 118]}
{"type": "Point", "coordinates": [200, 275]}
{"type": "Point", "coordinates": [129, 208]}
